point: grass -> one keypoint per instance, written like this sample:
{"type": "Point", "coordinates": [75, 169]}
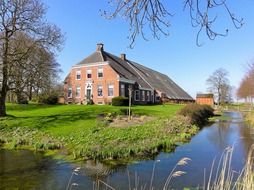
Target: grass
{"type": "Point", "coordinates": [221, 117]}
{"type": "Point", "coordinates": [78, 130]}
{"type": "Point", "coordinates": [249, 118]}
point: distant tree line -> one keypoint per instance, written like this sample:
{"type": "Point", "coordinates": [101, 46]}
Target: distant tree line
{"type": "Point", "coordinates": [27, 51]}
{"type": "Point", "coordinates": [34, 71]}
{"type": "Point", "coordinates": [246, 88]}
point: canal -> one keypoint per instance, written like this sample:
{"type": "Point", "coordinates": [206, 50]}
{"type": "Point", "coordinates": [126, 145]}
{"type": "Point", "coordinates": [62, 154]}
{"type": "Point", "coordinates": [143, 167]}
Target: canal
{"type": "Point", "coordinates": [27, 170]}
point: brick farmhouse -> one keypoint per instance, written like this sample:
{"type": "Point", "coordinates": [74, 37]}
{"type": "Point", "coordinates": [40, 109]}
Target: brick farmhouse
{"type": "Point", "coordinates": [102, 76]}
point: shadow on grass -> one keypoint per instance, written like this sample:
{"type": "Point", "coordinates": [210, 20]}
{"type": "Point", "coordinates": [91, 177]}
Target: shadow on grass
{"type": "Point", "coordinates": [40, 122]}
{"type": "Point", "coordinates": [27, 107]}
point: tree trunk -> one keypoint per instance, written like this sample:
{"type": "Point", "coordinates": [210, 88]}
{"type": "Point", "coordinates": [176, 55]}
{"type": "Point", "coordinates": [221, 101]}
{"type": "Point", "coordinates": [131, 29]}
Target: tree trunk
{"type": "Point", "coordinates": [30, 95]}
{"type": "Point", "coordinates": [2, 105]}
{"type": "Point", "coordinates": [3, 92]}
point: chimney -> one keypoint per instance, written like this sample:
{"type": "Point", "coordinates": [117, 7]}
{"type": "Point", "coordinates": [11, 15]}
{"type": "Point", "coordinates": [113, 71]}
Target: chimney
{"type": "Point", "coordinates": [123, 56]}
{"type": "Point", "coordinates": [99, 47]}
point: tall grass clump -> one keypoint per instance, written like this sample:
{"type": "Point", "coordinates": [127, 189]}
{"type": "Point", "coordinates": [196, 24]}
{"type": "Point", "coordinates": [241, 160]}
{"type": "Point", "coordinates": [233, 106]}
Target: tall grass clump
{"type": "Point", "coordinates": [227, 179]}
{"type": "Point", "coordinates": [198, 114]}
{"type": "Point", "coordinates": [221, 178]}
{"type": "Point", "coordinates": [18, 137]}
{"type": "Point", "coordinates": [99, 184]}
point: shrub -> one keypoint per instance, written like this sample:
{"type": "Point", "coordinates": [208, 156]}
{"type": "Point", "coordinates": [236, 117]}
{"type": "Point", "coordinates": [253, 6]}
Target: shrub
{"type": "Point", "coordinates": [120, 101]}
{"type": "Point", "coordinates": [90, 102]}
{"type": "Point", "coordinates": [51, 100]}
{"type": "Point", "coordinates": [22, 100]}
{"type": "Point", "coordinates": [198, 114]}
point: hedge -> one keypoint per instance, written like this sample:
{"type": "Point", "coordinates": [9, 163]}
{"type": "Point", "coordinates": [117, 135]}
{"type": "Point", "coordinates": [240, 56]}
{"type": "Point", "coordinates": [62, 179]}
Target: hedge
{"type": "Point", "coordinates": [198, 114]}
{"type": "Point", "coordinates": [120, 101]}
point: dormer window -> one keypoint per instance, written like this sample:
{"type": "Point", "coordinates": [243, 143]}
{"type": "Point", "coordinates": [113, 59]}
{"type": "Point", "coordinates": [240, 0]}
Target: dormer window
{"type": "Point", "coordinates": [78, 75]}
{"type": "Point", "coordinates": [89, 74]}
{"type": "Point", "coordinates": [100, 72]}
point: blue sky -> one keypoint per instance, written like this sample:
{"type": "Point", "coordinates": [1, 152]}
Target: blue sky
{"type": "Point", "coordinates": [176, 55]}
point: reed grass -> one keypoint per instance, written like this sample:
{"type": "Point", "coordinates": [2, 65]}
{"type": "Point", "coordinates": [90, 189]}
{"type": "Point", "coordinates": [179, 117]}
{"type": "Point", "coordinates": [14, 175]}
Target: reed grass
{"type": "Point", "coordinates": [228, 179]}
{"type": "Point", "coordinates": [221, 178]}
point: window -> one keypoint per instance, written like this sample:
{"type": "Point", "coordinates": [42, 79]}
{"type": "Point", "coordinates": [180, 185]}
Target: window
{"type": "Point", "coordinates": [137, 95]}
{"type": "Point", "coordinates": [100, 90]}
{"type": "Point", "coordinates": [78, 92]}
{"type": "Point", "coordinates": [69, 94]}
{"type": "Point", "coordinates": [122, 90]}
{"type": "Point", "coordinates": [143, 97]}
{"type": "Point", "coordinates": [78, 75]}
{"type": "Point", "coordinates": [100, 72]}
{"type": "Point", "coordinates": [148, 95]}
{"type": "Point", "coordinates": [89, 74]}
{"type": "Point", "coordinates": [110, 90]}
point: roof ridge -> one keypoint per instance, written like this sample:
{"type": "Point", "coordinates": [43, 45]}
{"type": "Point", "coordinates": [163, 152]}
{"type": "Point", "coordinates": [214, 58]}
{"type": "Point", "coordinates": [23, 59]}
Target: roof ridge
{"type": "Point", "coordinates": [135, 63]}
{"type": "Point", "coordinates": [112, 56]}
{"type": "Point", "coordinates": [102, 55]}
{"type": "Point", "coordinates": [140, 74]}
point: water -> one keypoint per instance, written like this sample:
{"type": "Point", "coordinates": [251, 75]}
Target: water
{"type": "Point", "coordinates": [27, 170]}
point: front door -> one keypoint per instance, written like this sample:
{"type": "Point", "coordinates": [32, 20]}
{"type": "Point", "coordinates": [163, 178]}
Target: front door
{"type": "Point", "coordinates": [88, 94]}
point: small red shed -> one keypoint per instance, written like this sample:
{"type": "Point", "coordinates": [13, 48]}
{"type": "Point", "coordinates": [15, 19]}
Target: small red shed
{"type": "Point", "coordinates": [207, 99]}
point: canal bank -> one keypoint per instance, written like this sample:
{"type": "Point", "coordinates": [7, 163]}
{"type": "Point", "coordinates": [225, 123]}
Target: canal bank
{"type": "Point", "coordinates": [28, 170]}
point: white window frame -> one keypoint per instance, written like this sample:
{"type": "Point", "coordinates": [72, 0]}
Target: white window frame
{"type": "Point", "coordinates": [101, 87]}
{"type": "Point", "coordinates": [100, 70]}
{"type": "Point", "coordinates": [137, 91]}
{"type": "Point", "coordinates": [78, 88]}
{"type": "Point", "coordinates": [112, 87]}
{"type": "Point", "coordinates": [69, 89]}
{"type": "Point", "coordinates": [89, 71]}
{"type": "Point", "coordinates": [78, 73]}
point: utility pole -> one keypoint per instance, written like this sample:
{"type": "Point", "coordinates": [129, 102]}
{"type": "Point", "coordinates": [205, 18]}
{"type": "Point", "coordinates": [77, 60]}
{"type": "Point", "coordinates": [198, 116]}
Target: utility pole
{"type": "Point", "coordinates": [130, 95]}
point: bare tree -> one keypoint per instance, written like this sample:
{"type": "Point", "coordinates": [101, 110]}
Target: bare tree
{"type": "Point", "coordinates": [153, 14]}
{"type": "Point", "coordinates": [219, 84]}
{"type": "Point", "coordinates": [35, 71]}
{"type": "Point", "coordinates": [246, 88]}
{"type": "Point", "coordinates": [27, 17]}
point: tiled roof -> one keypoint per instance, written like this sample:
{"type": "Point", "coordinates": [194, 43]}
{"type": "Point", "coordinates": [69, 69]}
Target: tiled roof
{"type": "Point", "coordinates": [93, 58]}
{"type": "Point", "coordinates": [205, 95]}
{"type": "Point", "coordinates": [162, 83]}
{"type": "Point", "coordinates": [145, 77]}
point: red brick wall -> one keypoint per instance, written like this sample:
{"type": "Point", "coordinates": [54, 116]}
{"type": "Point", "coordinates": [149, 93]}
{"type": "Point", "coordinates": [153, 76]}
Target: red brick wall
{"type": "Point", "coordinates": [207, 101]}
{"type": "Point", "coordinates": [109, 77]}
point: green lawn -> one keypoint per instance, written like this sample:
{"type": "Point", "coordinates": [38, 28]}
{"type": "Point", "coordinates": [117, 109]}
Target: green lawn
{"type": "Point", "coordinates": [78, 129]}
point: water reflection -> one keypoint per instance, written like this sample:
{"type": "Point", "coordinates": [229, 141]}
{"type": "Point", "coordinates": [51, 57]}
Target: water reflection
{"type": "Point", "coordinates": [27, 170]}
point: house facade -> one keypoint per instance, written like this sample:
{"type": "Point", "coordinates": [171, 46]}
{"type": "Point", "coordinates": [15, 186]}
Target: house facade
{"type": "Point", "coordinates": [205, 99]}
{"type": "Point", "coordinates": [102, 76]}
